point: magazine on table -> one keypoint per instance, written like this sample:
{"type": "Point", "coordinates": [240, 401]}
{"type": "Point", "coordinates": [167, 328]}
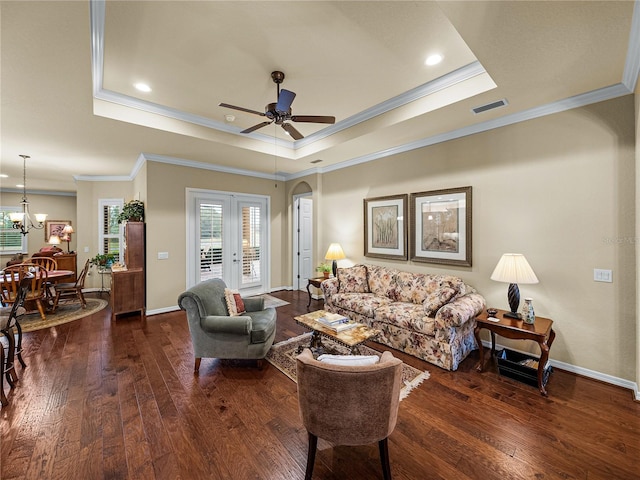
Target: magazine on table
{"type": "Point", "coordinates": [332, 319]}
{"type": "Point", "coordinates": [341, 327]}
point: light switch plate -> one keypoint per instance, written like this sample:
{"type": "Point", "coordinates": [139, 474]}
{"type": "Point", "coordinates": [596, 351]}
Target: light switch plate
{"type": "Point", "coordinates": [163, 255]}
{"type": "Point", "coordinates": [602, 275]}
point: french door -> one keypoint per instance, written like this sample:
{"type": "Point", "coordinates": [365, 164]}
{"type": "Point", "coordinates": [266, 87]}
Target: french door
{"type": "Point", "coordinates": [228, 238]}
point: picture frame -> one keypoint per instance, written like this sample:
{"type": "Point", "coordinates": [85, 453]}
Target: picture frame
{"type": "Point", "coordinates": [441, 226]}
{"type": "Point", "coordinates": [54, 227]}
{"type": "Point", "coordinates": [385, 227]}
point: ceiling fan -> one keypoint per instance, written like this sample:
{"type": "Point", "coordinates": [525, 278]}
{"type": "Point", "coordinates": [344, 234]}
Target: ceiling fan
{"type": "Point", "coordinates": [280, 111]}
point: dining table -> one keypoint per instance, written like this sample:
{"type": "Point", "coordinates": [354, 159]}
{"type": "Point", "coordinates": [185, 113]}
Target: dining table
{"type": "Point", "coordinates": [53, 276]}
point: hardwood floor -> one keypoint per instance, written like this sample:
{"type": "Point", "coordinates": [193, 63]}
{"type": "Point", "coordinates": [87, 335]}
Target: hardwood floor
{"type": "Point", "coordinates": [118, 400]}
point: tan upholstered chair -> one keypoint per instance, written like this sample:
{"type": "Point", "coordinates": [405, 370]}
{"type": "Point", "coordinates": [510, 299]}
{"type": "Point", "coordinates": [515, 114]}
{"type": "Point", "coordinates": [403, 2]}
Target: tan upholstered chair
{"type": "Point", "coordinates": [363, 403]}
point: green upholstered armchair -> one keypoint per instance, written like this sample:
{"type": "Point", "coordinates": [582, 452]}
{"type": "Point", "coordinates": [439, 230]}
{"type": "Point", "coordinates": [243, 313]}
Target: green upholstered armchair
{"type": "Point", "coordinates": [364, 402]}
{"type": "Point", "coordinates": [215, 334]}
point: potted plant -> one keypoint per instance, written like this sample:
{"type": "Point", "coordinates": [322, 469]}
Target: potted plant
{"type": "Point", "coordinates": [132, 211]}
{"type": "Point", "coordinates": [103, 260]}
{"type": "Point", "coordinates": [325, 268]}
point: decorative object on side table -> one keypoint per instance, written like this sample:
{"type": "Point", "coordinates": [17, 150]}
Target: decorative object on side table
{"type": "Point", "coordinates": [528, 314]}
{"type": "Point", "coordinates": [513, 269]}
{"type": "Point", "coordinates": [67, 231]}
{"type": "Point", "coordinates": [325, 269]}
{"type": "Point", "coordinates": [334, 253]}
{"type": "Point", "coordinates": [132, 211]}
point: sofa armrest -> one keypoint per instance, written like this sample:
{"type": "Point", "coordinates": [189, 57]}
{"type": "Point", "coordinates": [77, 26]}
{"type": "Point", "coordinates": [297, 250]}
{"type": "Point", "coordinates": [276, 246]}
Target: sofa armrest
{"type": "Point", "coordinates": [239, 325]}
{"type": "Point", "coordinates": [460, 310]}
{"type": "Point", "coordinates": [253, 304]}
{"type": "Point", "coordinates": [329, 287]}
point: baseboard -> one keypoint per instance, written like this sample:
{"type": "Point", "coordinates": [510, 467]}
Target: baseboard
{"type": "Point", "coordinates": [584, 372]}
{"type": "Point", "coordinates": [158, 311]}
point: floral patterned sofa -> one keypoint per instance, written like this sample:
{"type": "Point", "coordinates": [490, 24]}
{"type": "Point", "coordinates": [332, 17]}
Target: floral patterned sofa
{"type": "Point", "coordinates": [427, 316]}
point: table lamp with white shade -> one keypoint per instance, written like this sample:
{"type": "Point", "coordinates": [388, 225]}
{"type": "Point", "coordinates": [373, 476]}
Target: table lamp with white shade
{"type": "Point", "coordinates": [513, 269]}
{"type": "Point", "coordinates": [334, 253]}
{"type": "Point", "coordinates": [54, 240]}
{"type": "Point", "coordinates": [67, 231]}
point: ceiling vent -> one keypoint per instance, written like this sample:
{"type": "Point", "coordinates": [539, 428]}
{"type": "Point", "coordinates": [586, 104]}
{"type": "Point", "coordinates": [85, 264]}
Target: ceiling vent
{"type": "Point", "coordinates": [490, 106]}
{"type": "Point", "coordinates": [316, 161]}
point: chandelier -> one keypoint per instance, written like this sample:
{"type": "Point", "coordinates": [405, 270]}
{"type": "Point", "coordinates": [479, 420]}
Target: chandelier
{"type": "Point", "coordinates": [22, 220]}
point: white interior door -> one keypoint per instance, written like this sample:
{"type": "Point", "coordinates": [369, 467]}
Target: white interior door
{"type": "Point", "coordinates": [302, 242]}
{"type": "Point", "coordinates": [228, 238]}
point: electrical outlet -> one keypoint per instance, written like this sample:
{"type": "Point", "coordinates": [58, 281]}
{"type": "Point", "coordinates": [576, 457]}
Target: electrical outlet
{"type": "Point", "coordinates": [602, 275]}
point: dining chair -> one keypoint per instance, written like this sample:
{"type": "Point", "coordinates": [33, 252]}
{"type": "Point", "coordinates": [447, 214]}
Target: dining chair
{"type": "Point", "coordinates": [9, 321]}
{"type": "Point", "coordinates": [47, 263]}
{"type": "Point", "coordinates": [12, 277]}
{"type": "Point", "coordinates": [72, 290]}
{"type": "Point", "coordinates": [363, 403]}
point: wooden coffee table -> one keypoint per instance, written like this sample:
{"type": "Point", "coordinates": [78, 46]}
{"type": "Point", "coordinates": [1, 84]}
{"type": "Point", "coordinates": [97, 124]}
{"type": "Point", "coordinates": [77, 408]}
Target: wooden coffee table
{"type": "Point", "coordinates": [352, 338]}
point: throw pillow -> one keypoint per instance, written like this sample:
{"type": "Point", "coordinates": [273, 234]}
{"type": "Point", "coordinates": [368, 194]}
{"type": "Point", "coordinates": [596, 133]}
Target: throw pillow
{"type": "Point", "coordinates": [235, 305]}
{"type": "Point", "coordinates": [437, 299]}
{"type": "Point", "coordinates": [353, 279]}
{"type": "Point", "coordinates": [349, 360]}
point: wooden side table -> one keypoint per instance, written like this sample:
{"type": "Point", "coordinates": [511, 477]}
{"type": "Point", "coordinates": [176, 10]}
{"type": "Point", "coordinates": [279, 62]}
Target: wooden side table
{"type": "Point", "coordinates": [316, 281]}
{"type": "Point", "coordinates": [540, 332]}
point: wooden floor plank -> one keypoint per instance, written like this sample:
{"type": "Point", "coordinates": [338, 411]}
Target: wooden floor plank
{"type": "Point", "coordinates": [105, 399]}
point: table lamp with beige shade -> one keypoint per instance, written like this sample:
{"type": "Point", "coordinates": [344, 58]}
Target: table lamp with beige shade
{"type": "Point", "coordinates": [513, 269]}
{"type": "Point", "coordinates": [67, 231]}
{"type": "Point", "coordinates": [335, 253]}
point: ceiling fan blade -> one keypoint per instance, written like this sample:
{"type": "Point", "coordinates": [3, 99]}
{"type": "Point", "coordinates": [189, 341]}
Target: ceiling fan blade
{"type": "Point", "coordinates": [290, 129]}
{"type": "Point", "coordinates": [242, 109]}
{"type": "Point", "coordinates": [313, 118]}
{"type": "Point", "coordinates": [256, 127]}
{"type": "Point", "coordinates": [285, 99]}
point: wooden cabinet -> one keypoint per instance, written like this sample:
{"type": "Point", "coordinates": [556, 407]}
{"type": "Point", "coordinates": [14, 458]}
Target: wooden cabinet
{"type": "Point", "coordinates": [67, 261]}
{"type": "Point", "coordinates": [128, 285]}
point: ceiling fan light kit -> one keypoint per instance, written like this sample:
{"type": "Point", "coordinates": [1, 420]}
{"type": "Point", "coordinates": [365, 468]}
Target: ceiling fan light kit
{"type": "Point", "coordinates": [279, 112]}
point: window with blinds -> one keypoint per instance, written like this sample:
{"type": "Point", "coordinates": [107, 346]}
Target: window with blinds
{"type": "Point", "coordinates": [110, 236]}
{"type": "Point", "coordinates": [251, 233]}
{"type": "Point", "coordinates": [11, 240]}
{"type": "Point", "coordinates": [210, 241]}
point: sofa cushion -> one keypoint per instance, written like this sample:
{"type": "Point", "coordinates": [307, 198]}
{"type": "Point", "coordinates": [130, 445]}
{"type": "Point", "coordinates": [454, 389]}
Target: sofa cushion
{"type": "Point", "coordinates": [406, 315]}
{"type": "Point", "coordinates": [235, 305]}
{"type": "Point", "coordinates": [417, 287]}
{"type": "Point", "coordinates": [353, 279]}
{"type": "Point", "coordinates": [437, 299]}
{"type": "Point", "coordinates": [382, 281]}
{"type": "Point", "coordinates": [349, 360]}
{"type": "Point", "coordinates": [362, 303]}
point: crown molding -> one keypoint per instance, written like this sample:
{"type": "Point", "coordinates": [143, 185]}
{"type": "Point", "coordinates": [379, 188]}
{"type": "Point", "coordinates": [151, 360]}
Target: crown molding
{"type": "Point", "coordinates": [570, 103]}
{"type": "Point", "coordinates": [39, 192]}
{"type": "Point", "coordinates": [632, 63]}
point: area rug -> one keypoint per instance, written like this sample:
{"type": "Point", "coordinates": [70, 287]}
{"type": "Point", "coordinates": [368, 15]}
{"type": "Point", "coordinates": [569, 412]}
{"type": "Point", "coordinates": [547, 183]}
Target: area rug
{"type": "Point", "coordinates": [271, 301]}
{"type": "Point", "coordinates": [64, 313]}
{"type": "Point", "coordinates": [283, 356]}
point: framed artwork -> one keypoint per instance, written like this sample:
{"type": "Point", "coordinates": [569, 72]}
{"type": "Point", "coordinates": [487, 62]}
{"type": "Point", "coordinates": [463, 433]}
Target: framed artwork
{"type": "Point", "coordinates": [441, 226]}
{"type": "Point", "coordinates": [54, 227]}
{"type": "Point", "coordinates": [385, 227]}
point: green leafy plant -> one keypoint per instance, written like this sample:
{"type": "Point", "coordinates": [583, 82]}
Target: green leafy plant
{"type": "Point", "coordinates": [133, 211]}
{"type": "Point", "coordinates": [103, 259]}
{"type": "Point", "coordinates": [324, 268]}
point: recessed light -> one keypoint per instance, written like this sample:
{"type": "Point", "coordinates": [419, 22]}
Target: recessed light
{"type": "Point", "coordinates": [4, 175]}
{"type": "Point", "coordinates": [143, 87]}
{"type": "Point", "coordinates": [19, 185]}
{"type": "Point", "coordinates": [434, 59]}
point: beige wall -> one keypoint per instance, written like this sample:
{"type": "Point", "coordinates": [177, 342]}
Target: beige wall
{"type": "Point", "coordinates": [57, 207]}
{"type": "Point", "coordinates": [559, 189]}
{"type": "Point", "coordinates": [89, 193]}
{"type": "Point", "coordinates": [166, 224]}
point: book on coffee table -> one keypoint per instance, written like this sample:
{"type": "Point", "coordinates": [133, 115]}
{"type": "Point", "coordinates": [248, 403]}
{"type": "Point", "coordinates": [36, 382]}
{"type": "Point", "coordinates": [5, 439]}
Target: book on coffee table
{"type": "Point", "coordinates": [341, 327]}
{"type": "Point", "coordinates": [332, 319]}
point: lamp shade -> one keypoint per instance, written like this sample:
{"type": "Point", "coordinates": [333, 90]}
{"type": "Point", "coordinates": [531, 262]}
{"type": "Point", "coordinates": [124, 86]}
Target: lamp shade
{"type": "Point", "coordinates": [514, 268]}
{"type": "Point", "coordinates": [54, 240]}
{"type": "Point", "coordinates": [67, 229]}
{"type": "Point", "coordinates": [335, 252]}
